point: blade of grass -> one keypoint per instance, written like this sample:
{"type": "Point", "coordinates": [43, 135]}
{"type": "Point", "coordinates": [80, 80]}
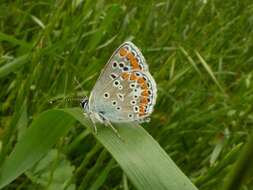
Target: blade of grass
{"type": "Point", "coordinates": [102, 176]}
{"type": "Point", "coordinates": [105, 24]}
{"type": "Point", "coordinates": [11, 39]}
{"type": "Point", "coordinates": [35, 142]}
{"type": "Point", "coordinates": [214, 171]}
{"type": "Point", "coordinates": [146, 164]}
{"type": "Point", "coordinates": [209, 70]}
{"type": "Point", "coordinates": [189, 58]}
{"type": "Point", "coordinates": [143, 160]}
{"type": "Point", "coordinates": [13, 65]}
{"type": "Point", "coordinates": [242, 169]}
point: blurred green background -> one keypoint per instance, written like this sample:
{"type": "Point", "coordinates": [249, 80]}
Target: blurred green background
{"type": "Point", "coordinates": [200, 53]}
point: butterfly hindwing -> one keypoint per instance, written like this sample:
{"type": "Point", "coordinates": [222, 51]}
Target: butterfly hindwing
{"type": "Point", "coordinates": [135, 100]}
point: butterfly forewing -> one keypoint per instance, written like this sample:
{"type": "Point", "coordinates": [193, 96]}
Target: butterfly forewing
{"type": "Point", "coordinates": [125, 90]}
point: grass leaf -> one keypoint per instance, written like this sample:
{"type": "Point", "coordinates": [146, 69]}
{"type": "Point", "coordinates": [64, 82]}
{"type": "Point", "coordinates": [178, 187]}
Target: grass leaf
{"type": "Point", "coordinates": [242, 169]}
{"type": "Point", "coordinates": [36, 141]}
{"type": "Point", "coordinates": [209, 70]}
{"type": "Point", "coordinates": [143, 160]}
{"type": "Point", "coordinates": [13, 40]}
{"type": "Point", "coordinates": [13, 65]}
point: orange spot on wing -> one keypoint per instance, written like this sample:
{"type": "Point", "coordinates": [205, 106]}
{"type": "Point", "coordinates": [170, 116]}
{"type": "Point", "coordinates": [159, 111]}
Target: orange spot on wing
{"type": "Point", "coordinates": [144, 100]}
{"type": "Point", "coordinates": [142, 110]}
{"type": "Point", "coordinates": [135, 64]}
{"type": "Point", "coordinates": [123, 52]}
{"type": "Point", "coordinates": [144, 86]}
{"type": "Point", "coordinates": [133, 77]}
{"type": "Point", "coordinates": [130, 56]}
{"type": "Point", "coordinates": [125, 75]}
{"type": "Point", "coordinates": [144, 93]}
{"type": "Point", "coordinates": [141, 80]}
{"type": "Point", "coordinates": [133, 61]}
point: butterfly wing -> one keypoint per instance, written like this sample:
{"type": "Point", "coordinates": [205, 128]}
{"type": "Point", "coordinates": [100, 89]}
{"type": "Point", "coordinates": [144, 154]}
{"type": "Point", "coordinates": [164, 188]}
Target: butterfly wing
{"type": "Point", "coordinates": [127, 57]}
{"type": "Point", "coordinates": [125, 90]}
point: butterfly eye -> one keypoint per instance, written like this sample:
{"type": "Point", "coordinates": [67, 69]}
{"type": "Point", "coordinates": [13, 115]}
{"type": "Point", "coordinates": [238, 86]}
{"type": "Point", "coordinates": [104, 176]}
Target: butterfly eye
{"type": "Point", "coordinates": [106, 95]}
{"type": "Point", "coordinates": [114, 64]}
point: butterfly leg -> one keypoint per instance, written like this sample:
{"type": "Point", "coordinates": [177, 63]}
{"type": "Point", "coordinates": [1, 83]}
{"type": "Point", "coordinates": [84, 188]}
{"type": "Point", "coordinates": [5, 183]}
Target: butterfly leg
{"type": "Point", "coordinates": [94, 127]}
{"type": "Point", "coordinates": [109, 124]}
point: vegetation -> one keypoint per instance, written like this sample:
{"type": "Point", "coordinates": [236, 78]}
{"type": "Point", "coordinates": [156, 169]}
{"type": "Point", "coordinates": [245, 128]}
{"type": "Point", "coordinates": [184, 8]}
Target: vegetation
{"type": "Point", "coordinates": [200, 53]}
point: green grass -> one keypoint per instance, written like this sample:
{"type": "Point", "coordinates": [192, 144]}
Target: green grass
{"type": "Point", "coordinates": [201, 56]}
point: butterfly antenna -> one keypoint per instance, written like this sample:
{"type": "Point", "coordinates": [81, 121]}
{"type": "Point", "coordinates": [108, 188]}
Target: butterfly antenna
{"type": "Point", "coordinates": [69, 99]}
{"type": "Point", "coordinates": [73, 99]}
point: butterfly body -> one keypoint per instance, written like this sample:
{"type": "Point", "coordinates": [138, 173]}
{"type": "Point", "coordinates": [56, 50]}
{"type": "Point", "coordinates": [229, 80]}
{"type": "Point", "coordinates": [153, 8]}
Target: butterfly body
{"type": "Point", "coordinates": [125, 90]}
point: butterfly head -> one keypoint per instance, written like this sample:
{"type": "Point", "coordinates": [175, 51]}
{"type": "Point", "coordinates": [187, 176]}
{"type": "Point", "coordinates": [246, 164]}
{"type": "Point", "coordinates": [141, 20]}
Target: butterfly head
{"type": "Point", "coordinates": [85, 104]}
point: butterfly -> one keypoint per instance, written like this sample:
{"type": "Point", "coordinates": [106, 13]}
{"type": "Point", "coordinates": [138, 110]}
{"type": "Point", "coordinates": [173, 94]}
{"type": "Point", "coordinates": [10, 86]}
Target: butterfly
{"type": "Point", "coordinates": [125, 90]}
